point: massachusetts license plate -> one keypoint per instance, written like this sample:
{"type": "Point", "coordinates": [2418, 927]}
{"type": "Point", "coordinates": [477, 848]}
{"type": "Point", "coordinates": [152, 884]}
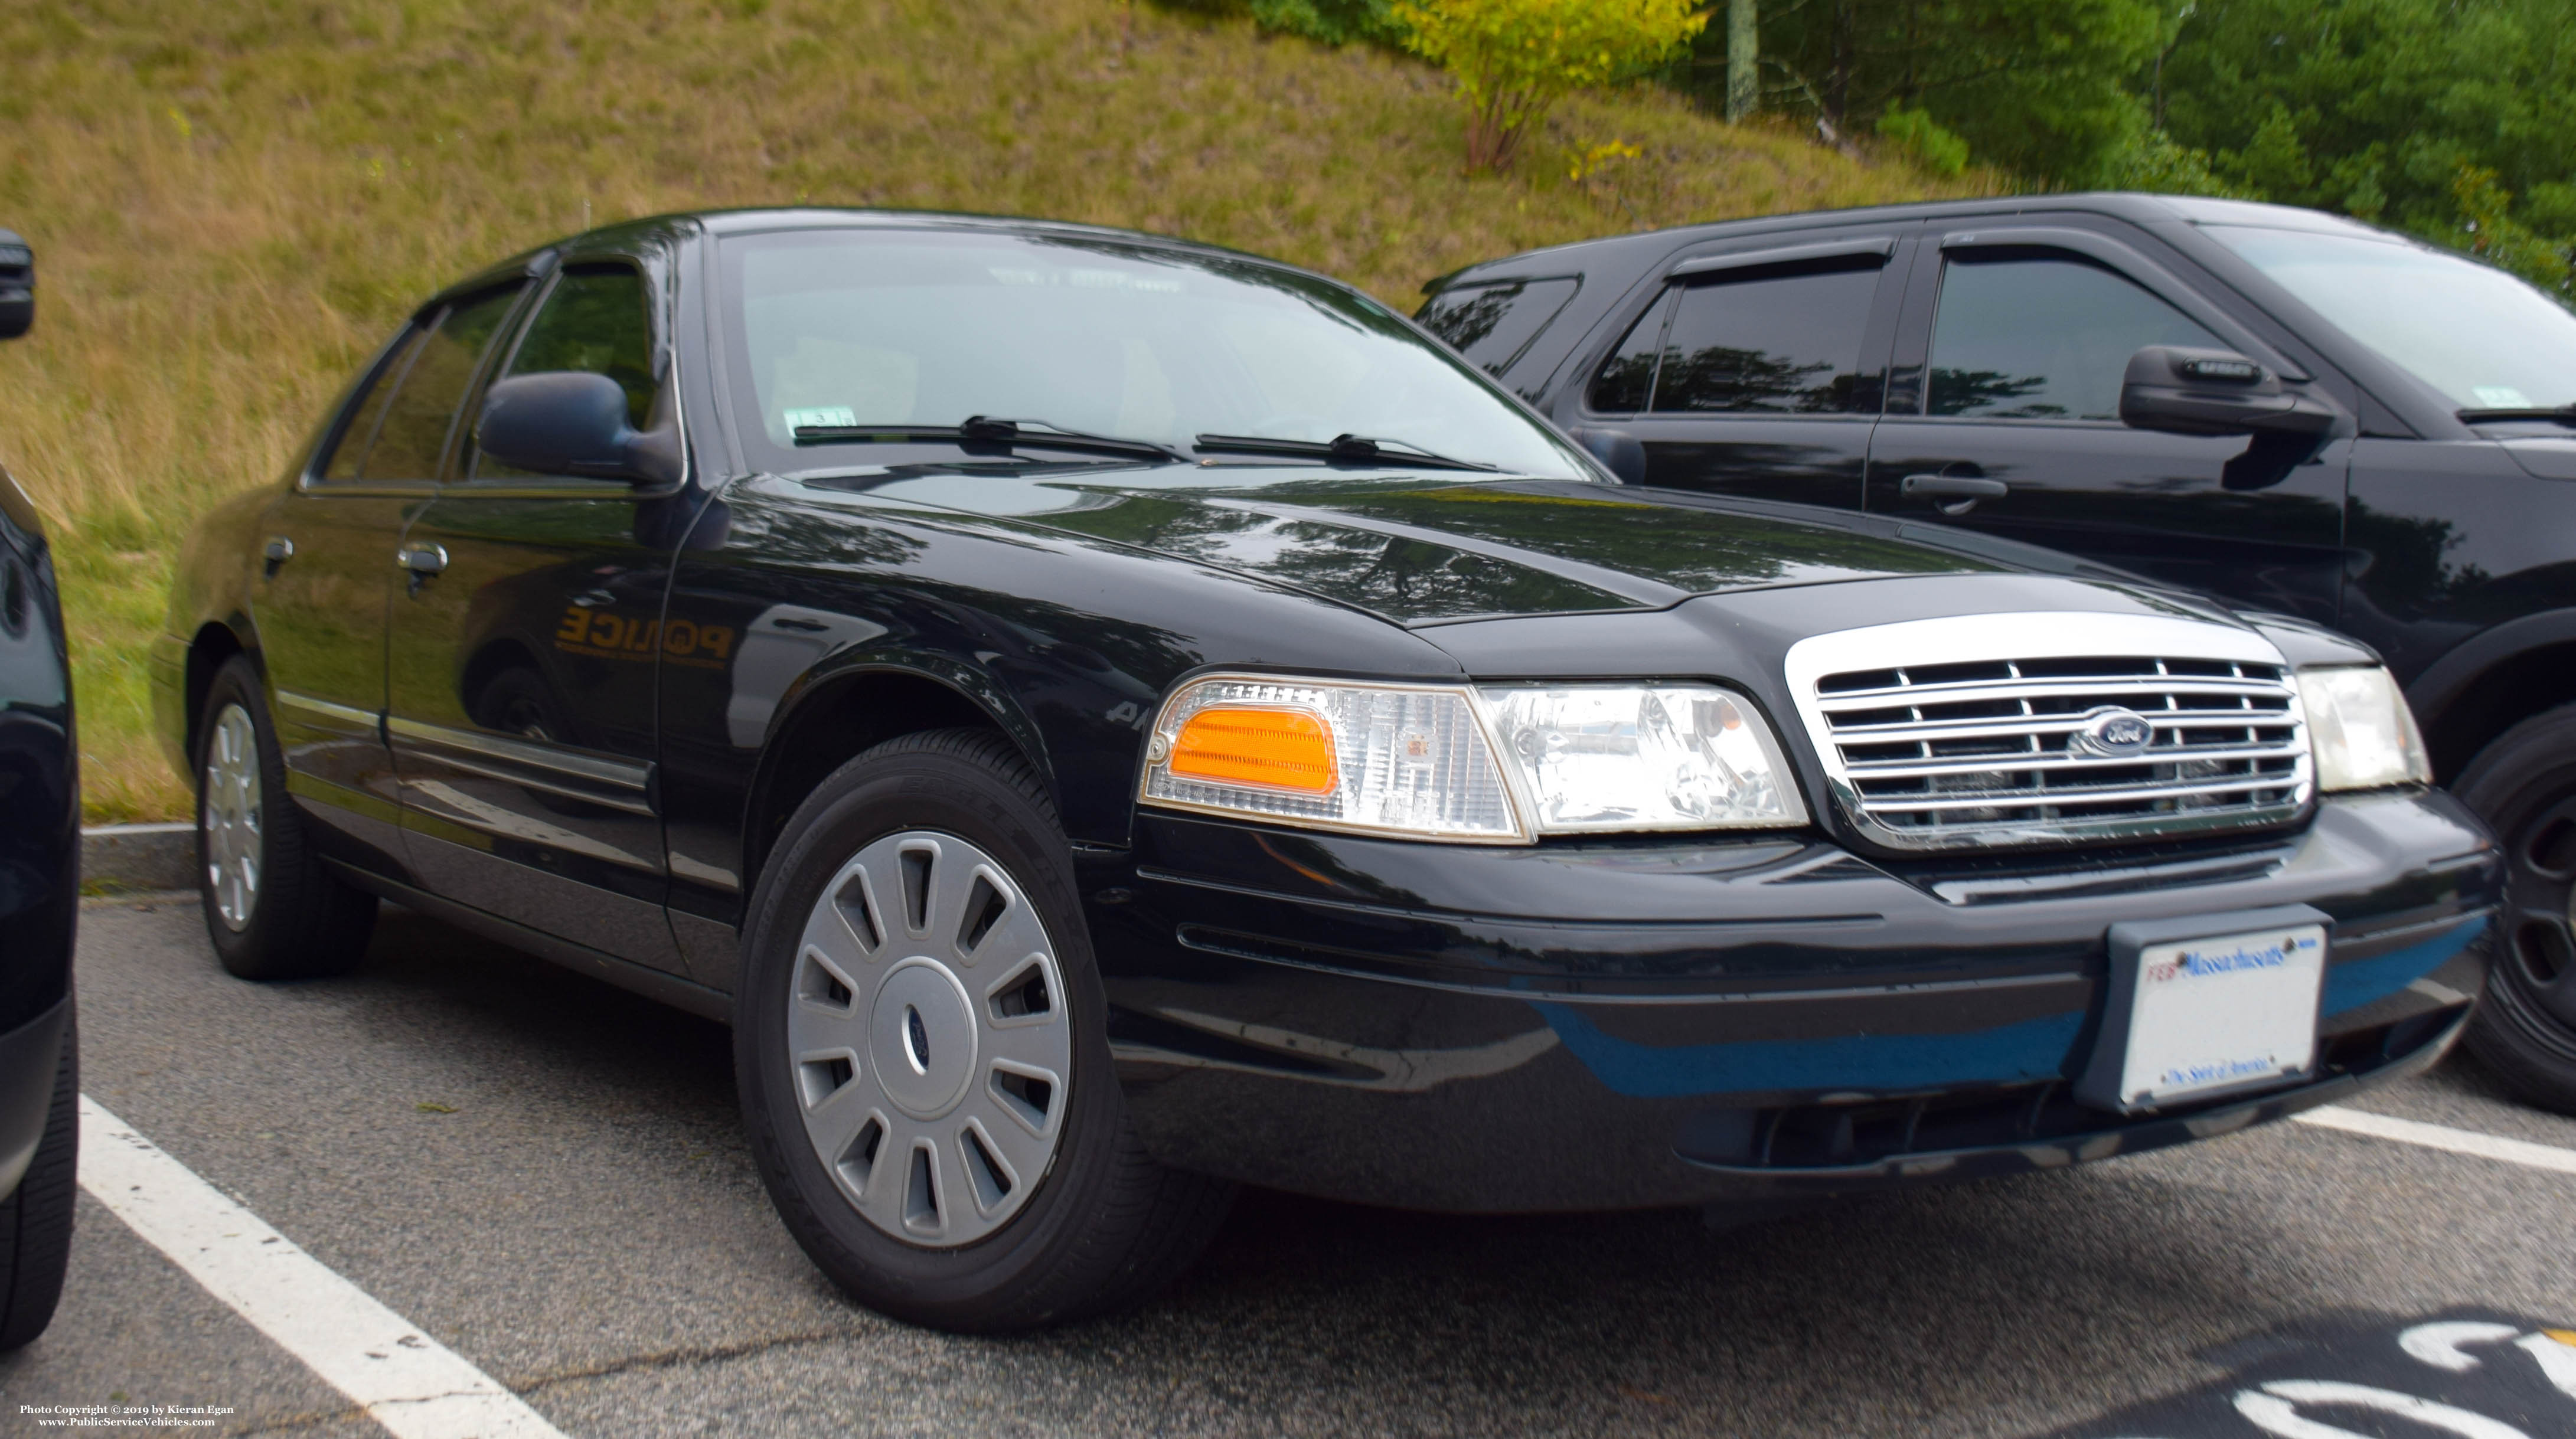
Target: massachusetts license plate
{"type": "Point", "coordinates": [2227, 1012]}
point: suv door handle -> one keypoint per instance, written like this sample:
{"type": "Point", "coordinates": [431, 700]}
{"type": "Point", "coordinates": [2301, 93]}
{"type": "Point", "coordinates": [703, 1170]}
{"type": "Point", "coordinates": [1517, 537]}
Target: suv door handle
{"type": "Point", "coordinates": [1953, 495]}
{"type": "Point", "coordinates": [422, 559]}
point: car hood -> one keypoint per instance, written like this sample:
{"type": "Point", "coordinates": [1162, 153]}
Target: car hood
{"type": "Point", "coordinates": [1423, 549]}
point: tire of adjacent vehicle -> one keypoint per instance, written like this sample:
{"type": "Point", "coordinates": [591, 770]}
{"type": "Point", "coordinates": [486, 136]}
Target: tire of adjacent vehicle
{"type": "Point", "coordinates": [306, 922]}
{"type": "Point", "coordinates": [2524, 785]}
{"type": "Point", "coordinates": [1107, 1226]}
{"type": "Point", "coordinates": [36, 1220]}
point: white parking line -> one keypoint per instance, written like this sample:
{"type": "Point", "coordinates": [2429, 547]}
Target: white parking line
{"type": "Point", "coordinates": [2442, 1136]}
{"type": "Point", "coordinates": [404, 1380]}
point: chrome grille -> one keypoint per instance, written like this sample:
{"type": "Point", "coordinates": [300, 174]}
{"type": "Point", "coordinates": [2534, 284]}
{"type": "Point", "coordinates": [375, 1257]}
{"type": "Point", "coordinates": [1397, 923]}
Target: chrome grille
{"type": "Point", "coordinates": [1932, 744]}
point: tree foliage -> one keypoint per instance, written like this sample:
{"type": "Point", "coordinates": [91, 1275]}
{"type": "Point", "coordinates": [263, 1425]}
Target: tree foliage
{"type": "Point", "coordinates": [1514, 59]}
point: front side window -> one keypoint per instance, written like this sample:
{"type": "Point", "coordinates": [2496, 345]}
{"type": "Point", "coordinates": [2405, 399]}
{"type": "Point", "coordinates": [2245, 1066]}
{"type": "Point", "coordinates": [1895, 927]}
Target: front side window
{"type": "Point", "coordinates": [844, 329]}
{"type": "Point", "coordinates": [413, 435]}
{"type": "Point", "coordinates": [1492, 324]}
{"type": "Point", "coordinates": [596, 320]}
{"type": "Point", "coordinates": [2486, 340]}
{"type": "Point", "coordinates": [2043, 339]}
{"type": "Point", "coordinates": [1783, 344]}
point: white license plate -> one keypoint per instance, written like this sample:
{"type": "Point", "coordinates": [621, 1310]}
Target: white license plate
{"type": "Point", "coordinates": [2227, 1012]}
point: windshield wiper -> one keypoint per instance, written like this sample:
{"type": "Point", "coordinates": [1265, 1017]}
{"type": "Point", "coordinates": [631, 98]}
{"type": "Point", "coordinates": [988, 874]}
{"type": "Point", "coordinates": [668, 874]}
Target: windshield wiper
{"type": "Point", "coordinates": [1339, 450]}
{"type": "Point", "coordinates": [985, 432]}
{"type": "Point", "coordinates": [2564, 414]}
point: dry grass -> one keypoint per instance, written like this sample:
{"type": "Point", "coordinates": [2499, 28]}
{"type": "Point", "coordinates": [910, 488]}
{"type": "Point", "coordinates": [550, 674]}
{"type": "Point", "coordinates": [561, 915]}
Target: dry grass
{"type": "Point", "coordinates": [232, 201]}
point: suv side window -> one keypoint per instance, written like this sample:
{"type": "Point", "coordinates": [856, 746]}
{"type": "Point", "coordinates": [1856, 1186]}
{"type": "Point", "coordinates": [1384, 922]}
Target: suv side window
{"type": "Point", "coordinates": [595, 320]}
{"type": "Point", "coordinates": [349, 447]}
{"type": "Point", "coordinates": [1779, 344]}
{"type": "Point", "coordinates": [1492, 324]}
{"type": "Point", "coordinates": [1627, 379]}
{"type": "Point", "coordinates": [2043, 339]}
{"type": "Point", "coordinates": [413, 434]}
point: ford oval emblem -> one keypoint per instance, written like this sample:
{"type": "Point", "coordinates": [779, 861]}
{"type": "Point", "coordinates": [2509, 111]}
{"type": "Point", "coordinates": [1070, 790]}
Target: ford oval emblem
{"type": "Point", "coordinates": [2115, 734]}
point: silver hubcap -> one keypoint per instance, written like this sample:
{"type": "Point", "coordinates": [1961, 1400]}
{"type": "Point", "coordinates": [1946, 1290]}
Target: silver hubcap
{"type": "Point", "coordinates": [231, 823]}
{"type": "Point", "coordinates": [928, 1038]}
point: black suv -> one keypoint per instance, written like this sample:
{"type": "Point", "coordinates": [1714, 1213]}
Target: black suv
{"type": "Point", "coordinates": [2290, 410]}
{"type": "Point", "coordinates": [39, 894]}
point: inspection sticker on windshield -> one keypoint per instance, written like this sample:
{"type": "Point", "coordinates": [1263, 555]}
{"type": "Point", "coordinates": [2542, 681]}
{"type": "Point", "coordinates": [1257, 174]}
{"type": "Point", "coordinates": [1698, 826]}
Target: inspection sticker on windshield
{"type": "Point", "coordinates": [829, 417]}
{"type": "Point", "coordinates": [2205, 1015]}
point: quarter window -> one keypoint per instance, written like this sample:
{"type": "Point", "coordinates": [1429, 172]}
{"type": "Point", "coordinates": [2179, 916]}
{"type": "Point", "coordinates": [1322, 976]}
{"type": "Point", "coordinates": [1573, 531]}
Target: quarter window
{"type": "Point", "coordinates": [2043, 339]}
{"type": "Point", "coordinates": [1492, 324]}
{"type": "Point", "coordinates": [413, 435]}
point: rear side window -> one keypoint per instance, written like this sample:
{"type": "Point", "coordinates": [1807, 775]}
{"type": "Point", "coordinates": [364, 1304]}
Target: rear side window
{"type": "Point", "coordinates": [2043, 339]}
{"type": "Point", "coordinates": [360, 432]}
{"type": "Point", "coordinates": [1492, 324]}
{"type": "Point", "coordinates": [413, 434]}
{"type": "Point", "coordinates": [1787, 344]}
{"type": "Point", "coordinates": [1627, 379]}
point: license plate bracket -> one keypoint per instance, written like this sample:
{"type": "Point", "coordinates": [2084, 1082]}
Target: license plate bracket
{"type": "Point", "coordinates": [2207, 1006]}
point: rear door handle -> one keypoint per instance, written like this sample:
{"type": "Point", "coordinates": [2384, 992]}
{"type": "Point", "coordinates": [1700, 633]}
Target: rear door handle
{"type": "Point", "coordinates": [1953, 495]}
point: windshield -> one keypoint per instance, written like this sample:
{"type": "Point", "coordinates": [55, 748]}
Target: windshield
{"type": "Point", "coordinates": [2481, 337]}
{"type": "Point", "coordinates": [846, 329]}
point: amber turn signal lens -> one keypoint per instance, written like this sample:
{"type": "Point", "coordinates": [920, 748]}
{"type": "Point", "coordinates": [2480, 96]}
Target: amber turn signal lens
{"type": "Point", "coordinates": [1275, 748]}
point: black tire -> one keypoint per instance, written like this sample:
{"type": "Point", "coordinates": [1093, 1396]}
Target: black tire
{"type": "Point", "coordinates": [2524, 785]}
{"type": "Point", "coordinates": [303, 922]}
{"type": "Point", "coordinates": [1105, 1226]}
{"type": "Point", "coordinates": [36, 1220]}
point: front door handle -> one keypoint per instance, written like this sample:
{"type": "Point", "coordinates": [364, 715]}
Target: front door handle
{"type": "Point", "coordinates": [422, 559]}
{"type": "Point", "coordinates": [422, 563]}
{"type": "Point", "coordinates": [1953, 494]}
{"type": "Point", "coordinates": [276, 552]}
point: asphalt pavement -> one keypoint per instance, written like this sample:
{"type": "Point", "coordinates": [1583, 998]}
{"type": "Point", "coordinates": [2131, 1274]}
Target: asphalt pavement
{"type": "Point", "coordinates": [547, 1175]}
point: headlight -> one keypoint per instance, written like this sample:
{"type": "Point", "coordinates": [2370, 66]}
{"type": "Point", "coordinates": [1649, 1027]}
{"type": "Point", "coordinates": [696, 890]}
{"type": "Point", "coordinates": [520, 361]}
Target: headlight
{"type": "Point", "coordinates": [2360, 730]}
{"type": "Point", "coordinates": [1501, 765]}
{"type": "Point", "coordinates": [1602, 758]}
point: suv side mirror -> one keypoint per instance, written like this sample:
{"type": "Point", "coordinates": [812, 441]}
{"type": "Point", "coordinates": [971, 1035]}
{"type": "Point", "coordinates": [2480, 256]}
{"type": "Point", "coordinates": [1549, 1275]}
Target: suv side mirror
{"type": "Point", "coordinates": [571, 422]}
{"type": "Point", "coordinates": [2213, 392]}
{"type": "Point", "coordinates": [1617, 450]}
{"type": "Point", "coordinates": [17, 286]}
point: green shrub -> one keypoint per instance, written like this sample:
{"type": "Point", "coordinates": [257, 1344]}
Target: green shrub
{"type": "Point", "coordinates": [1514, 59]}
{"type": "Point", "coordinates": [1334, 22]}
{"type": "Point", "coordinates": [1916, 133]}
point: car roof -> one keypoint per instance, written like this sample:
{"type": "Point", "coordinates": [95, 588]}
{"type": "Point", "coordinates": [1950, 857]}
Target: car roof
{"type": "Point", "coordinates": [775, 219]}
{"type": "Point", "coordinates": [2127, 205]}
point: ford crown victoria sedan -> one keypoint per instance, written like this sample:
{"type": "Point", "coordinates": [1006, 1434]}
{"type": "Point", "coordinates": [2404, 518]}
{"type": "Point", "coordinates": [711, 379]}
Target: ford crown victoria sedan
{"type": "Point", "coordinates": [1106, 719]}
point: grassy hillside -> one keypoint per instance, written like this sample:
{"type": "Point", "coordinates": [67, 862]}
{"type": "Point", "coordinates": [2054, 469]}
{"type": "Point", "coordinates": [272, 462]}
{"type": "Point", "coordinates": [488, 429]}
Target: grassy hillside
{"type": "Point", "coordinates": [234, 201]}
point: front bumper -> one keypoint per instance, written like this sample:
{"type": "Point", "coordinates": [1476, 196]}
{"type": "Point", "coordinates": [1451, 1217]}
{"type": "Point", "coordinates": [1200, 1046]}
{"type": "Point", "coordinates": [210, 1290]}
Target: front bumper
{"type": "Point", "coordinates": [1645, 1022]}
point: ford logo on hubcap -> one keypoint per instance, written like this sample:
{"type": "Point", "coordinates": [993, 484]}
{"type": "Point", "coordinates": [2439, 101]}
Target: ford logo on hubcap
{"type": "Point", "coordinates": [2115, 734]}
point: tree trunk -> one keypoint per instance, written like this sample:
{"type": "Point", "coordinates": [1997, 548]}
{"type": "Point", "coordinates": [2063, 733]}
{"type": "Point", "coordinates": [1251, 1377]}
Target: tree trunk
{"type": "Point", "coordinates": [1838, 82]}
{"type": "Point", "coordinates": [1743, 59]}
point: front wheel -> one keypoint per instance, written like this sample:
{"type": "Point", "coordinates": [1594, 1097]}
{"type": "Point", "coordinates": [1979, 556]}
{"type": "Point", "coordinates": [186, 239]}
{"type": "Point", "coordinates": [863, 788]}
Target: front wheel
{"type": "Point", "coordinates": [2524, 785]}
{"type": "Point", "coordinates": [922, 1051]}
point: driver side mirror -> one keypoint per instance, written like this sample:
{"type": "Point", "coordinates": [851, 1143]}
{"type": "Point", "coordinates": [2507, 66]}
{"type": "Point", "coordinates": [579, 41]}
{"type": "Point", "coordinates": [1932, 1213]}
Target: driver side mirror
{"type": "Point", "coordinates": [2185, 391]}
{"type": "Point", "coordinates": [571, 422]}
{"type": "Point", "coordinates": [17, 286]}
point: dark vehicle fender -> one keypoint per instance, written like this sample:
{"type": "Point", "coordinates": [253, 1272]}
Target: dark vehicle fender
{"type": "Point", "coordinates": [2492, 681]}
{"type": "Point", "coordinates": [850, 702]}
{"type": "Point", "coordinates": [209, 619]}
